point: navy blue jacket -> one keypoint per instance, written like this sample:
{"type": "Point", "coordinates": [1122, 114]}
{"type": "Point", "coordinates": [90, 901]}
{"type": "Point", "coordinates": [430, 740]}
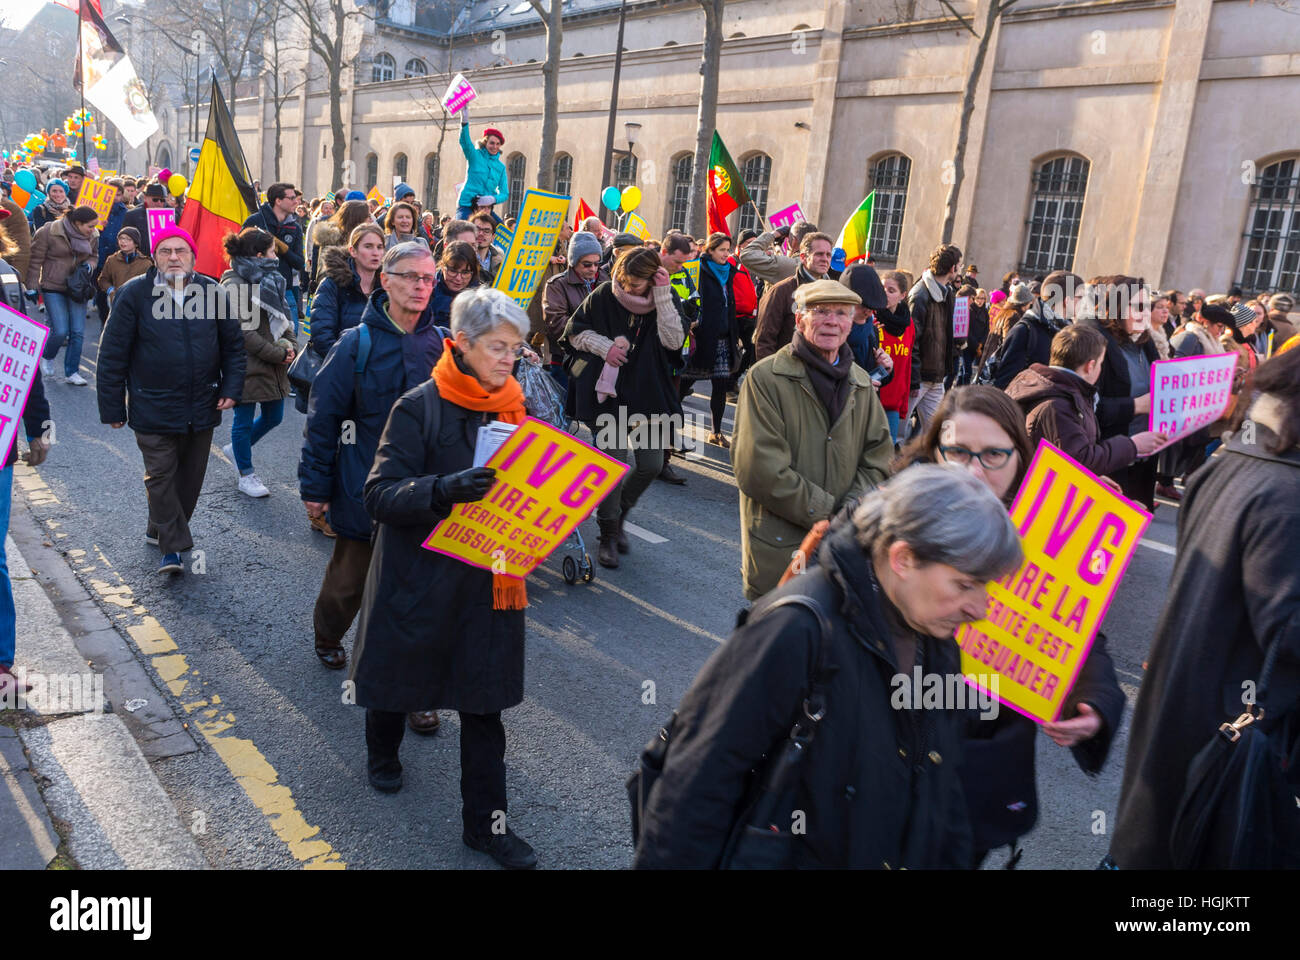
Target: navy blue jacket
{"type": "Point", "coordinates": [339, 302]}
{"type": "Point", "coordinates": [333, 471]}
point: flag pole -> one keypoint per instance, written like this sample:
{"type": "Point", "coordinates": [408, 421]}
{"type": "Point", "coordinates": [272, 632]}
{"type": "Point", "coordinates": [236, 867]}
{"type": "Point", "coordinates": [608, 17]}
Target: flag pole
{"type": "Point", "coordinates": [81, 26]}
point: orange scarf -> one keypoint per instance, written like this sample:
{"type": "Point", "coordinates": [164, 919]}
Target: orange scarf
{"type": "Point", "coordinates": [507, 402]}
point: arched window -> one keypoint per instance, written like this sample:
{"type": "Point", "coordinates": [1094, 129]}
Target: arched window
{"type": "Point", "coordinates": [164, 158]}
{"type": "Point", "coordinates": [415, 68]}
{"type": "Point", "coordinates": [431, 182]}
{"type": "Point", "coordinates": [757, 172]}
{"type": "Point", "coordinates": [562, 174]}
{"type": "Point", "coordinates": [372, 170]}
{"type": "Point", "coordinates": [1270, 257]}
{"type": "Point", "coordinates": [382, 67]}
{"type": "Point", "coordinates": [680, 200]}
{"type": "Point", "coordinates": [399, 166]}
{"type": "Point", "coordinates": [889, 176]}
{"type": "Point", "coordinates": [515, 168]}
{"type": "Point", "coordinates": [1055, 212]}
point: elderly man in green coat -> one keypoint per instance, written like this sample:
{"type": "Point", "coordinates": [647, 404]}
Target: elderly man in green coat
{"type": "Point", "coordinates": [810, 435]}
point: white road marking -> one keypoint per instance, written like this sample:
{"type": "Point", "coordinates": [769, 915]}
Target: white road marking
{"type": "Point", "coordinates": [643, 533]}
{"type": "Point", "coordinates": [1159, 547]}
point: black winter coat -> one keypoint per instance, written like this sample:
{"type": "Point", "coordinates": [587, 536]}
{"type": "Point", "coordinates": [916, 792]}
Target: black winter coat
{"type": "Point", "coordinates": [339, 301]}
{"type": "Point", "coordinates": [1235, 592]}
{"type": "Point", "coordinates": [879, 786]}
{"type": "Point", "coordinates": [290, 232]}
{"type": "Point", "coordinates": [428, 636]}
{"type": "Point", "coordinates": [331, 470]}
{"type": "Point", "coordinates": [173, 369]}
{"type": "Point", "coordinates": [1029, 341]}
{"type": "Point", "coordinates": [1115, 413]}
{"type": "Point", "coordinates": [934, 351]}
{"type": "Point", "coordinates": [715, 321]}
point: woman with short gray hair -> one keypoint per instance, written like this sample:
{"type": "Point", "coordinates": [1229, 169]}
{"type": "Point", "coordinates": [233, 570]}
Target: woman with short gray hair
{"type": "Point", "coordinates": [829, 652]}
{"type": "Point", "coordinates": [436, 632]}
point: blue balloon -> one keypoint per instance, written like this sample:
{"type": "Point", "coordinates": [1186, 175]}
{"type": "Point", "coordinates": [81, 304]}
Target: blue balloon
{"type": "Point", "coordinates": [837, 259]}
{"type": "Point", "coordinates": [611, 198]}
{"type": "Point", "coordinates": [37, 199]}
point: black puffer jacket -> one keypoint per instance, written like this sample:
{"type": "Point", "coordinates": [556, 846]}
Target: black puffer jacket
{"type": "Point", "coordinates": [173, 369]}
{"type": "Point", "coordinates": [1029, 341]}
{"type": "Point", "coordinates": [879, 786]}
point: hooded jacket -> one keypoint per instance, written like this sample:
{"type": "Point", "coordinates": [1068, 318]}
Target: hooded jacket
{"type": "Point", "coordinates": [1060, 407]}
{"type": "Point", "coordinates": [486, 174]}
{"type": "Point", "coordinates": [879, 785]}
{"type": "Point", "coordinates": [339, 301]}
{"type": "Point", "coordinates": [1029, 341]}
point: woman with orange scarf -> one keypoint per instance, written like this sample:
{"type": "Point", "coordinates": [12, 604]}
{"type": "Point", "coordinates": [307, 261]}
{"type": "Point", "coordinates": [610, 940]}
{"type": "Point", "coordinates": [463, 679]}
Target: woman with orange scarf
{"type": "Point", "coordinates": [436, 632]}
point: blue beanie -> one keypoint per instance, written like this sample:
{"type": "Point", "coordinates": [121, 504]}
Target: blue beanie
{"type": "Point", "coordinates": [56, 182]}
{"type": "Point", "coordinates": [354, 195]}
{"type": "Point", "coordinates": [583, 244]}
{"type": "Point", "coordinates": [402, 190]}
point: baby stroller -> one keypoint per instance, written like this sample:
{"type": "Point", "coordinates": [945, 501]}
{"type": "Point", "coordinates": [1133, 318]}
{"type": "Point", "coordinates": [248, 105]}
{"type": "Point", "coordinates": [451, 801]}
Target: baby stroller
{"type": "Point", "coordinates": [542, 400]}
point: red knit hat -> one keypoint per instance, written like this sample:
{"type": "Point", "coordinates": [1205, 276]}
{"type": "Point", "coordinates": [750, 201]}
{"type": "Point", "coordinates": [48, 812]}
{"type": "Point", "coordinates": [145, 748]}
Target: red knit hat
{"type": "Point", "coordinates": [494, 132]}
{"type": "Point", "coordinates": [173, 231]}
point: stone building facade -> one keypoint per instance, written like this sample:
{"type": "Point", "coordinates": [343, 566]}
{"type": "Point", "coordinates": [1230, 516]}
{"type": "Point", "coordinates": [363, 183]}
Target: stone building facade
{"type": "Point", "coordinates": [1149, 137]}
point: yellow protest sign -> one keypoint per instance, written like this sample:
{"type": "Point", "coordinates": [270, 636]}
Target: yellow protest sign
{"type": "Point", "coordinates": [374, 194]}
{"type": "Point", "coordinates": [692, 268]}
{"type": "Point", "coordinates": [547, 483]}
{"type": "Point", "coordinates": [99, 196]}
{"type": "Point", "coordinates": [637, 227]}
{"type": "Point", "coordinates": [540, 219]}
{"type": "Point", "coordinates": [1078, 537]}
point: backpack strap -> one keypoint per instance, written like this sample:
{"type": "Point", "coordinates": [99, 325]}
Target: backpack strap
{"type": "Point", "coordinates": [359, 367]}
{"type": "Point", "coordinates": [814, 706]}
{"type": "Point", "coordinates": [432, 415]}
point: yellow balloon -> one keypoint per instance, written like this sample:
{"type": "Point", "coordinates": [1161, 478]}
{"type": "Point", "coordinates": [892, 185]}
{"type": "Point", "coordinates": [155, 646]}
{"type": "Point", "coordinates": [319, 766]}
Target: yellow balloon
{"type": "Point", "coordinates": [176, 185]}
{"type": "Point", "coordinates": [631, 197]}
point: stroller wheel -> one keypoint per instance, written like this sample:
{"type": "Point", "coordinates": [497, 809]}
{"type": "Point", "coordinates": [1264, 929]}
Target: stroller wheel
{"type": "Point", "coordinates": [588, 571]}
{"type": "Point", "coordinates": [570, 570]}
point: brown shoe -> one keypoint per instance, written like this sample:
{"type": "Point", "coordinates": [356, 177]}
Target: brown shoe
{"type": "Point", "coordinates": [336, 658]}
{"type": "Point", "coordinates": [424, 721]}
{"type": "Point", "coordinates": [321, 525]}
{"type": "Point", "coordinates": [1169, 492]}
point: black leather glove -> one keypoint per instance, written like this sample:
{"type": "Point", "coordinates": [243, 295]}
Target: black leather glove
{"type": "Point", "coordinates": [466, 486]}
{"type": "Point", "coordinates": [782, 232]}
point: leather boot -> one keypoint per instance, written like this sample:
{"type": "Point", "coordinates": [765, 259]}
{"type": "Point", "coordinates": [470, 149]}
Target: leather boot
{"type": "Point", "coordinates": [620, 537]}
{"type": "Point", "coordinates": [607, 545]}
{"type": "Point", "coordinates": [336, 658]}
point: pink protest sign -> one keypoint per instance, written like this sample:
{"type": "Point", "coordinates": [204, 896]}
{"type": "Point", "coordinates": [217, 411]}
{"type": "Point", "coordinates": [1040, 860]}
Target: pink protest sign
{"type": "Point", "coordinates": [22, 341]}
{"type": "Point", "coordinates": [787, 217]}
{"type": "Point", "coordinates": [459, 94]}
{"type": "Point", "coordinates": [961, 318]}
{"type": "Point", "coordinates": [159, 220]}
{"type": "Point", "coordinates": [1191, 393]}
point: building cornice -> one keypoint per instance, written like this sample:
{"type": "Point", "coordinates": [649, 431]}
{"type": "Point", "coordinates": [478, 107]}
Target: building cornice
{"type": "Point", "coordinates": [1056, 11]}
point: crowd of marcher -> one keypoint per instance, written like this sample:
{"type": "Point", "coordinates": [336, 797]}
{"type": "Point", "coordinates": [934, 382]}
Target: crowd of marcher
{"type": "Point", "coordinates": [876, 455]}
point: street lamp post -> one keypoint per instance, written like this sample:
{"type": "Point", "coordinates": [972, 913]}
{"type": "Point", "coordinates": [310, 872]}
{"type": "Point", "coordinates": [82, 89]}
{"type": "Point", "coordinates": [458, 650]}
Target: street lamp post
{"type": "Point", "coordinates": [613, 101]}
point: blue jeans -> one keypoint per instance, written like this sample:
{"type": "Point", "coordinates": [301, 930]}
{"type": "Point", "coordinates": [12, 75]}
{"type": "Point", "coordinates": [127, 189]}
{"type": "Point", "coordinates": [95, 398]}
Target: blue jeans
{"type": "Point", "coordinates": [67, 322]}
{"type": "Point", "coordinates": [291, 301]}
{"type": "Point", "coordinates": [245, 431]}
{"type": "Point", "coordinates": [8, 618]}
{"type": "Point", "coordinates": [892, 417]}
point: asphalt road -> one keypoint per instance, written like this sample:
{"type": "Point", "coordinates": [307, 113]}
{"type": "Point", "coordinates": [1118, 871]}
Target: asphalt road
{"type": "Point", "coordinates": [278, 779]}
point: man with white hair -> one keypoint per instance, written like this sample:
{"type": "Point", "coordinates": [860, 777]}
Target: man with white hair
{"type": "Point", "coordinates": [810, 434]}
{"type": "Point", "coordinates": [392, 350]}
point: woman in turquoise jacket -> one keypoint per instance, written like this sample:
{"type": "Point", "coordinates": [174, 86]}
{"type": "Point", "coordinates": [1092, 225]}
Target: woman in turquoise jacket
{"type": "Point", "coordinates": [485, 180]}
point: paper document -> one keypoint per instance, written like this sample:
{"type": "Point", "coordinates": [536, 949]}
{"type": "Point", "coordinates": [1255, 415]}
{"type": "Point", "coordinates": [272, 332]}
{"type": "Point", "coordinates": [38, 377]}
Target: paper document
{"type": "Point", "coordinates": [491, 436]}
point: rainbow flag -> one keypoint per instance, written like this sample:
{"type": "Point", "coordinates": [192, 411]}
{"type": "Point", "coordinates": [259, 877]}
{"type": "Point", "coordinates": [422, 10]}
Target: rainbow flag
{"type": "Point", "coordinates": [855, 235]}
{"type": "Point", "coordinates": [221, 193]}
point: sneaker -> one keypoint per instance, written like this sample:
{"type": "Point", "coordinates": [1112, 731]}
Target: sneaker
{"type": "Point", "coordinates": [251, 486]}
{"type": "Point", "coordinates": [47, 369]}
{"type": "Point", "coordinates": [77, 380]}
{"type": "Point", "coordinates": [151, 538]}
{"type": "Point", "coordinates": [171, 564]}
{"type": "Point", "coordinates": [508, 849]}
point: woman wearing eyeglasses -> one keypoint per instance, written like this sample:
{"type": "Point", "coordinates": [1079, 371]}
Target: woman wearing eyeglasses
{"type": "Point", "coordinates": [457, 271]}
{"type": "Point", "coordinates": [981, 429]}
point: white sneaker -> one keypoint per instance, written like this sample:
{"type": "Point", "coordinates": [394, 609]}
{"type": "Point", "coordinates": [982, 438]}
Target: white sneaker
{"type": "Point", "coordinates": [77, 380]}
{"type": "Point", "coordinates": [47, 368]}
{"type": "Point", "coordinates": [253, 487]}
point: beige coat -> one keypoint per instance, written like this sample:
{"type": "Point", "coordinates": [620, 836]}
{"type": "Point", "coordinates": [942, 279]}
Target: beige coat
{"type": "Point", "coordinates": [792, 466]}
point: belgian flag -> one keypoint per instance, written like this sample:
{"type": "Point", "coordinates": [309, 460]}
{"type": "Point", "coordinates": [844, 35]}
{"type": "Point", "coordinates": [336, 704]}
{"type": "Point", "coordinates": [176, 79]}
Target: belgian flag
{"type": "Point", "coordinates": [221, 195]}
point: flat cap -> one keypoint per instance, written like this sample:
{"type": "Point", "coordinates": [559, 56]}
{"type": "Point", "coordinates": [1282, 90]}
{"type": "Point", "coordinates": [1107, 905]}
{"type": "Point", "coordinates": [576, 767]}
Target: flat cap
{"type": "Point", "coordinates": [824, 291]}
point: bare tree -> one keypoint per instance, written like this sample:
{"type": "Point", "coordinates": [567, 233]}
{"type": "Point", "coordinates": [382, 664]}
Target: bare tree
{"type": "Point", "coordinates": [333, 33]}
{"type": "Point", "coordinates": [995, 10]}
{"type": "Point", "coordinates": [286, 79]}
{"type": "Point", "coordinates": [554, 21]}
{"type": "Point", "coordinates": [707, 121]}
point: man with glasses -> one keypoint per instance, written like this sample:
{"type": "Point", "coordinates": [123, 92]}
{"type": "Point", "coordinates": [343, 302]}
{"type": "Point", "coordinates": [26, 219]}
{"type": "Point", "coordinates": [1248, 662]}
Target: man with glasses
{"type": "Point", "coordinates": [277, 217]}
{"type": "Point", "coordinates": [490, 255]}
{"type": "Point", "coordinates": [565, 293]}
{"type": "Point", "coordinates": [393, 349]}
{"type": "Point", "coordinates": [810, 434]}
{"type": "Point", "coordinates": [174, 347]}
{"type": "Point", "coordinates": [154, 198]}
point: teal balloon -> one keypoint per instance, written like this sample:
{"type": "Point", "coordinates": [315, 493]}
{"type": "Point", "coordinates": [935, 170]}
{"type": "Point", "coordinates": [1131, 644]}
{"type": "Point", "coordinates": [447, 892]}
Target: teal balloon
{"type": "Point", "coordinates": [611, 198]}
{"type": "Point", "coordinates": [37, 199]}
{"type": "Point", "coordinates": [25, 179]}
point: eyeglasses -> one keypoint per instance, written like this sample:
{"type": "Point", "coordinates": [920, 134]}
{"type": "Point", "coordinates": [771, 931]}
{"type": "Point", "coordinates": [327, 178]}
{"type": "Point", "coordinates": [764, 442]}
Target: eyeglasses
{"type": "Point", "coordinates": [499, 349]}
{"type": "Point", "coordinates": [994, 458]}
{"type": "Point", "coordinates": [425, 279]}
{"type": "Point", "coordinates": [839, 313]}
{"type": "Point", "coordinates": [458, 273]}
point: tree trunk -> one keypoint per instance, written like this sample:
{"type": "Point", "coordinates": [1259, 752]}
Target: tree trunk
{"type": "Point", "coordinates": [339, 150]}
{"type": "Point", "coordinates": [708, 116]}
{"type": "Point", "coordinates": [550, 93]}
{"type": "Point", "coordinates": [968, 108]}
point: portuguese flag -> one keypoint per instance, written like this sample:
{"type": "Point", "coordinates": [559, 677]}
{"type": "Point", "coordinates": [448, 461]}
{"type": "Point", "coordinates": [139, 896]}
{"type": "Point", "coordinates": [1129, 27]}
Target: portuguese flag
{"type": "Point", "coordinates": [221, 193]}
{"type": "Point", "coordinates": [727, 191]}
{"type": "Point", "coordinates": [855, 237]}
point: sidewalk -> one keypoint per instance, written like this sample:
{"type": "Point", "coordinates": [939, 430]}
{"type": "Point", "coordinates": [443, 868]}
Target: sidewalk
{"type": "Point", "coordinates": [68, 758]}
